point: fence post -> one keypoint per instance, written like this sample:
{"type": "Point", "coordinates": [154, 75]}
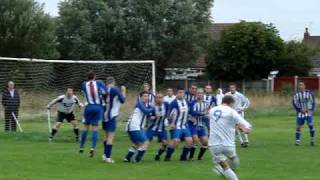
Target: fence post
{"type": "Point", "coordinates": [295, 83]}
{"type": "Point", "coordinates": [318, 83]}
{"type": "Point", "coordinates": [272, 84]}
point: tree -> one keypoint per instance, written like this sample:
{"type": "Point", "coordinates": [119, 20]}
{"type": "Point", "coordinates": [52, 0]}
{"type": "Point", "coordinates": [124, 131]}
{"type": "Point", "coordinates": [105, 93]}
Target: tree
{"type": "Point", "coordinates": [26, 31]}
{"type": "Point", "coordinates": [296, 59]}
{"type": "Point", "coordinates": [172, 32]}
{"type": "Point", "coordinates": [248, 50]}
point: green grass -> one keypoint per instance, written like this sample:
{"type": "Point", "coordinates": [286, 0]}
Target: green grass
{"type": "Point", "coordinates": [272, 155]}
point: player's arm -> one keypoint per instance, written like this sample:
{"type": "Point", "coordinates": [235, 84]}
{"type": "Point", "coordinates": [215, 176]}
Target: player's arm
{"type": "Point", "coordinates": [244, 125]}
{"type": "Point", "coordinates": [55, 101]}
{"type": "Point", "coordinates": [172, 113]}
{"type": "Point", "coordinates": [295, 103]}
{"type": "Point", "coordinates": [122, 95]}
{"type": "Point", "coordinates": [80, 105]}
{"type": "Point", "coordinates": [146, 110]}
{"type": "Point", "coordinates": [313, 102]}
{"type": "Point", "coordinates": [245, 102]}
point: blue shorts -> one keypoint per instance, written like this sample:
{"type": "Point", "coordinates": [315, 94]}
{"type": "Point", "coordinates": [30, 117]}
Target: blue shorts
{"type": "Point", "coordinates": [138, 137]}
{"type": "Point", "coordinates": [161, 135]}
{"type": "Point", "coordinates": [110, 125]}
{"type": "Point", "coordinates": [92, 114]}
{"type": "Point", "coordinates": [302, 120]}
{"type": "Point", "coordinates": [200, 131]}
{"type": "Point", "coordinates": [179, 133]}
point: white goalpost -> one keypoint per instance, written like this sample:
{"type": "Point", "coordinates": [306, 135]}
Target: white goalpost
{"type": "Point", "coordinates": [40, 80]}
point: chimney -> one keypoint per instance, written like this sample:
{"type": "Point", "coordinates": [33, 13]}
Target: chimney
{"type": "Point", "coordinates": [306, 34]}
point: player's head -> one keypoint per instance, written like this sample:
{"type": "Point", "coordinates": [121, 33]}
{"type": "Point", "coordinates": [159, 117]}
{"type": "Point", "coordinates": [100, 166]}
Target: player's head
{"type": "Point", "coordinates": [111, 81]}
{"type": "Point", "coordinates": [200, 93]}
{"type": "Point", "coordinates": [193, 89]}
{"type": "Point", "coordinates": [228, 100]}
{"type": "Point", "coordinates": [301, 86]}
{"type": "Point", "coordinates": [69, 92]}
{"type": "Point", "coordinates": [146, 87]}
{"type": "Point", "coordinates": [11, 85]}
{"type": "Point", "coordinates": [91, 76]}
{"type": "Point", "coordinates": [144, 96]}
{"type": "Point", "coordinates": [159, 98]}
{"type": "Point", "coordinates": [232, 87]}
{"type": "Point", "coordinates": [180, 94]}
{"type": "Point", "coordinates": [208, 89]}
{"type": "Point", "coordinates": [170, 92]}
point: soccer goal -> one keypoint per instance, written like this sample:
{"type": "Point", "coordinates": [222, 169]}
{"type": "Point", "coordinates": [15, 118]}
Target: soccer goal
{"type": "Point", "coordinates": [38, 80]}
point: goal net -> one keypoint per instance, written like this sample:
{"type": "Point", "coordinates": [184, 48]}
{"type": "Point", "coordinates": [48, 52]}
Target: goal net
{"type": "Point", "coordinates": [38, 81]}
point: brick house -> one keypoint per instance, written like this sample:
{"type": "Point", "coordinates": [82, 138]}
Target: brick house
{"type": "Point", "coordinates": [313, 42]}
{"type": "Point", "coordinates": [198, 69]}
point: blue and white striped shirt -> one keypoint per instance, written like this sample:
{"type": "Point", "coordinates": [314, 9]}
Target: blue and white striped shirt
{"type": "Point", "coordinates": [179, 111]}
{"type": "Point", "coordinates": [93, 91]}
{"type": "Point", "coordinates": [113, 99]}
{"type": "Point", "coordinates": [210, 100]}
{"type": "Point", "coordinates": [303, 101]}
{"type": "Point", "coordinates": [160, 112]}
{"type": "Point", "coordinates": [198, 111]}
{"type": "Point", "coordinates": [136, 121]}
{"type": "Point", "coordinates": [189, 97]}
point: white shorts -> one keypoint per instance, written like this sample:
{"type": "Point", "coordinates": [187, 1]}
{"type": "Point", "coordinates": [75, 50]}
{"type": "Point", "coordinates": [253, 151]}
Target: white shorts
{"type": "Point", "coordinates": [222, 153]}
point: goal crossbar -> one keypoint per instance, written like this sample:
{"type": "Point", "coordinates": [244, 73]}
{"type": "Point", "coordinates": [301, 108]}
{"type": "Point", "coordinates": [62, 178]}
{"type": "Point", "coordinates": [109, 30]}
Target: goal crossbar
{"type": "Point", "coordinates": [152, 62]}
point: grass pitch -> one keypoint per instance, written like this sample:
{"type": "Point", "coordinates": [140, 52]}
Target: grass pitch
{"type": "Point", "coordinates": [271, 155]}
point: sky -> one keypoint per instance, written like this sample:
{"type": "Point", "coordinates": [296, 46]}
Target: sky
{"type": "Point", "coordinates": [291, 17]}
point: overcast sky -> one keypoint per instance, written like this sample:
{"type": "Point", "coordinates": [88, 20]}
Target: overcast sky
{"type": "Point", "coordinates": [289, 16]}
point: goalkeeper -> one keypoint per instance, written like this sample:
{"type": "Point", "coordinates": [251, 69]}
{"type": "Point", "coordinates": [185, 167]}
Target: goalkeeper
{"type": "Point", "coordinates": [65, 111]}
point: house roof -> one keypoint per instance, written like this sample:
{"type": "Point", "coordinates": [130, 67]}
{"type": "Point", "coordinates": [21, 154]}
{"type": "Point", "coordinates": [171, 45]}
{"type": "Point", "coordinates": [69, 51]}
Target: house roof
{"type": "Point", "coordinates": [216, 30]}
{"type": "Point", "coordinates": [313, 41]}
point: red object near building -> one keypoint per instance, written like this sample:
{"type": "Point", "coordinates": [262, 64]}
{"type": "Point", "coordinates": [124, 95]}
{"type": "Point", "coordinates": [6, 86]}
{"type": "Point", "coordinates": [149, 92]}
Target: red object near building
{"type": "Point", "coordinates": [312, 83]}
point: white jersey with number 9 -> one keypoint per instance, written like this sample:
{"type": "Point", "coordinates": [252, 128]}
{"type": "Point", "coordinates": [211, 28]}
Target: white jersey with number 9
{"type": "Point", "coordinates": [223, 122]}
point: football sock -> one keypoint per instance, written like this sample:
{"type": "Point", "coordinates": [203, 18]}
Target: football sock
{"type": "Point", "coordinates": [140, 154]}
{"type": "Point", "coordinates": [53, 132]}
{"type": "Point", "coordinates": [94, 139]}
{"type": "Point", "coordinates": [130, 153]}
{"type": "Point", "coordinates": [192, 151]}
{"type": "Point", "coordinates": [162, 150]}
{"type": "Point", "coordinates": [311, 128]}
{"type": "Point", "coordinates": [184, 153]}
{"type": "Point", "coordinates": [76, 131]}
{"type": "Point", "coordinates": [170, 151]}
{"type": "Point", "coordinates": [84, 135]}
{"type": "Point", "coordinates": [203, 149]}
{"type": "Point", "coordinates": [229, 174]}
{"type": "Point", "coordinates": [298, 133]}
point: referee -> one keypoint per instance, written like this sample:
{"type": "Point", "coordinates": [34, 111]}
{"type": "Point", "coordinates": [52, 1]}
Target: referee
{"type": "Point", "coordinates": [65, 111]}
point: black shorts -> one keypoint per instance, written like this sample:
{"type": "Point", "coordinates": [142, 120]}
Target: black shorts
{"type": "Point", "coordinates": [62, 116]}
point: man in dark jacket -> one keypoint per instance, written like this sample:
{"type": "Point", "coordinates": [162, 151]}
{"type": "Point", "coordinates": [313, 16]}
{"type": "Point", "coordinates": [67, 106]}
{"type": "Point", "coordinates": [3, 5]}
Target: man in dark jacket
{"type": "Point", "coordinates": [11, 103]}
